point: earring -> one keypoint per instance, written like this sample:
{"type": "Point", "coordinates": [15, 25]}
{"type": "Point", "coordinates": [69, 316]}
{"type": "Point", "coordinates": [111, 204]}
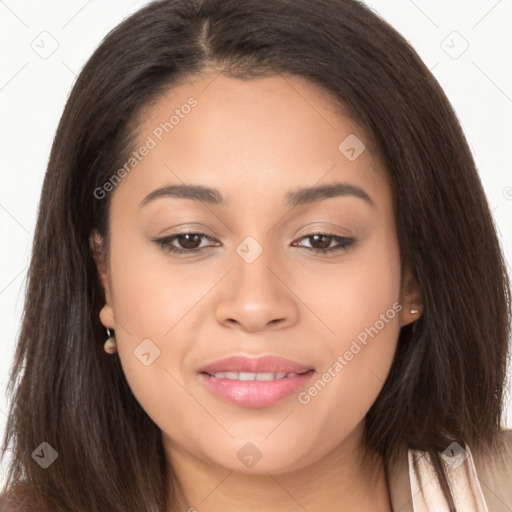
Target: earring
{"type": "Point", "coordinates": [414, 311]}
{"type": "Point", "coordinates": [110, 345]}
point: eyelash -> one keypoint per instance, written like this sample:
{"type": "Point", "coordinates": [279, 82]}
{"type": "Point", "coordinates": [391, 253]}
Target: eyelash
{"type": "Point", "coordinates": [165, 243]}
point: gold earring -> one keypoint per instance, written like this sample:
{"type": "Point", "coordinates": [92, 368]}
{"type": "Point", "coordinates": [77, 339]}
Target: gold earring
{"type": "Point", "coordinates": [414, 311]}
{"type": "Point", "coordinates": [110, 345]}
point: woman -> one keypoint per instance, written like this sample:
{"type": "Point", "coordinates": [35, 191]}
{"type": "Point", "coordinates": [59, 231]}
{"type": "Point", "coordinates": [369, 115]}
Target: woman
{"type": "Point", "coordinates": [271, 210]}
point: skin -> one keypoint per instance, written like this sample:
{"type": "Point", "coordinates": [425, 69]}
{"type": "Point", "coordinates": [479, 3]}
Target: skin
{"type": "Point", "coordinates": [255, 141]}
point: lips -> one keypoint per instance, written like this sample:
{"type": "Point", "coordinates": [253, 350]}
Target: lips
{"type": "Point", "coordinates": [251, 382]}
{"type": "Point", "coordinates": [265, 364]}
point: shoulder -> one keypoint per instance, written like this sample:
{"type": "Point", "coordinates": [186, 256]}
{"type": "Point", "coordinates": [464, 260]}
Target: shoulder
{"type": "Point", "coordinates": [494, 470]}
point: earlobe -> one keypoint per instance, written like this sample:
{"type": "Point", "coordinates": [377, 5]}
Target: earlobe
{"type": "Point", "coordinates": [107, 316]}
{"type": "Point", "coordinates": [410, 299]}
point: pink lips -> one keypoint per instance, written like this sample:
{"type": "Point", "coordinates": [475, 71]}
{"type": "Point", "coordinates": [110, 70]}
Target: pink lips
{"type": "Point", "coordinates": [255, 393]}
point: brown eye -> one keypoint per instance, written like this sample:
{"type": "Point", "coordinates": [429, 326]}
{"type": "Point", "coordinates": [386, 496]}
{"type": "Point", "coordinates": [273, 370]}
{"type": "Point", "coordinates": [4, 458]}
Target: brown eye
{"type": "Point", "coordinates": [183, 242]}
{"type": "Point", "coordinates": [321, 242]}
{"type": "Point", "coordinates": [189, 241]}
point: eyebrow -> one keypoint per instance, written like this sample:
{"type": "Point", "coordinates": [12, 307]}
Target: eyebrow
{"type": "Point", "coordinates": [294, 198]}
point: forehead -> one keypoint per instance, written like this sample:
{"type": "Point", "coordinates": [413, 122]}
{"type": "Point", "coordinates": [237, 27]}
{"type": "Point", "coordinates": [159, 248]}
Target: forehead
{"type": "Point", "coordinates": [250, 139]}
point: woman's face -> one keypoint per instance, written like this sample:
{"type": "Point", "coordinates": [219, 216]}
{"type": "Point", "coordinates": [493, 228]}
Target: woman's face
{"type": "Point", "coordinates": [259, 285]}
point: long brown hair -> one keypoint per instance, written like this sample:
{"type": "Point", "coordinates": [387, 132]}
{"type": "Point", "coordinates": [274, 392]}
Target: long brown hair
{"type": "Point", "coordinates": [446, 381]}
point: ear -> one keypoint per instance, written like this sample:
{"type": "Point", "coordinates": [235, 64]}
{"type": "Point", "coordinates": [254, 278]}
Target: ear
{"type": "Point", "coordinates": [97, 245]}
{"type": "Point", "coordinates": [410, 298]}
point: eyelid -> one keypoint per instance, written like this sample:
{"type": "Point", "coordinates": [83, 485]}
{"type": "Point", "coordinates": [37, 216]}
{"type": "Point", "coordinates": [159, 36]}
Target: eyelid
{"type": "Point", "coordinates": [326, 228]}
{"type": "Point", "coordinates": [188, 229]}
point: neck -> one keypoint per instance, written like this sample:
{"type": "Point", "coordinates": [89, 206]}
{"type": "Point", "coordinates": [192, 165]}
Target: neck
{"type": "Point", "coordinates": [344, 476]}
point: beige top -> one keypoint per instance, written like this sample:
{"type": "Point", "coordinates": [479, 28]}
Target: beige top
{"type": "Point", "coordinates": [477, 483]}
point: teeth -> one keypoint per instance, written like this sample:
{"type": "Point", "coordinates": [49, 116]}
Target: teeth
{"type": "Point", "coordinates": [254, 376]}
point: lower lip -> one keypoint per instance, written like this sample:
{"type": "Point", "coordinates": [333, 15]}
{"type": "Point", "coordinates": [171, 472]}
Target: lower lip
{"type": "Point", "coordinates": [254, 393]}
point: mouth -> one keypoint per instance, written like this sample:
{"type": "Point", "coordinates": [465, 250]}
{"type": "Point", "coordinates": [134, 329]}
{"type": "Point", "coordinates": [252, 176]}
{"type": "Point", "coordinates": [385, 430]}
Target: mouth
{"type": "Point", "coordinates": [275, 366]}
{"type": "Point", "coordinates": [261, 377]}
{"type": "Point", "coordinates": [250, 382]}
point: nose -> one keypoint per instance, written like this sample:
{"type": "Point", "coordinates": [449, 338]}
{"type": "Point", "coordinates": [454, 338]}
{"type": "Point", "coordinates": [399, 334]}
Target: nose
{"type": "Point", "coordinates": [256, 296]}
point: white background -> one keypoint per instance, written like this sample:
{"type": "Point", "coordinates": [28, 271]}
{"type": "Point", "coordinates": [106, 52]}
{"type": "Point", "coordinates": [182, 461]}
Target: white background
{"type": "Point", "coordinates": [33, 91]}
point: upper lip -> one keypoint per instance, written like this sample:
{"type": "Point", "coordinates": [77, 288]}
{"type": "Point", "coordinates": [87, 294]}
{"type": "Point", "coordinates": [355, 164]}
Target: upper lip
{"type": "Point", "coordinates": [264, 364]}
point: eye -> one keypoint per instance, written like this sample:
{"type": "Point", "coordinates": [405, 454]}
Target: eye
{"type": "Point", "coordinates": [191, 242]}
{"type": "Point", "coordinates": [323, 242]}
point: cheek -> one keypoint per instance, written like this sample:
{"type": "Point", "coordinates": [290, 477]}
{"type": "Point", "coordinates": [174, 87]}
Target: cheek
{"type": "Point", "coordinates": [148, 302]}
{"type": "Point", "coordinates": [364, 314]}
{"type": "Point", "coordinates": [353, 375]}
{"type": "Point", "coordinates": [151, 295]}
{"type": "Point", "coordinates": [360, 293]}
